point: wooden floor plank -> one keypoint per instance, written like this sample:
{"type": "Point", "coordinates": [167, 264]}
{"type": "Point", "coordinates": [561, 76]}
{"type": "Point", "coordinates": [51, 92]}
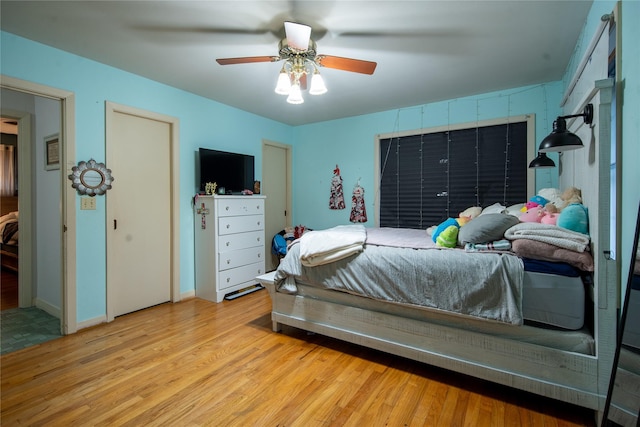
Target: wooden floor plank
{"type": "Point", "coordinates": [199, 363]}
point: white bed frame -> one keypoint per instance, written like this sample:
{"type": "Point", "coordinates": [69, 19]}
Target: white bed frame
{"type": "Point", "coordinates": [571, 377]}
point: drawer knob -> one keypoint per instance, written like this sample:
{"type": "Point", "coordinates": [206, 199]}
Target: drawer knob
{"type": "Point", "coordinates": [228, 279]}
{"type": "Point", "coordinates": [228, 243]}
{"type": "Point", "coordinates": [227, 208]}
{"type": "Point", "coordinates": [228, 226]}
{"type": "Point", "coordinates": [258, 222]}
{"type": "Point", "coordinates": [258, 239]}
{"type": "Point", "coordinates": [228, 261]}
{"type": "Point", "coordinates": [258, 255]}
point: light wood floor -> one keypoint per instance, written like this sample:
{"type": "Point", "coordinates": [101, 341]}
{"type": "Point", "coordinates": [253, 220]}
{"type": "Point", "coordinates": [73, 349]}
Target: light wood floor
{"type": "Point", "coordinates": [201, 363]}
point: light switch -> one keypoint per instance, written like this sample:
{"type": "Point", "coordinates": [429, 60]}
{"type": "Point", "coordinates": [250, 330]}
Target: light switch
{"type": "Point", "coordinates": [88, 203]}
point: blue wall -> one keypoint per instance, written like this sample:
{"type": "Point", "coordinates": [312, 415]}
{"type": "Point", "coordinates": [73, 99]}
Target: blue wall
{"type": "Point", "coordinates": [203, 123]}
{"type": "Point", "coordinates": [317, 147]}
{"type": "Point", "coordinates": [349, 143]}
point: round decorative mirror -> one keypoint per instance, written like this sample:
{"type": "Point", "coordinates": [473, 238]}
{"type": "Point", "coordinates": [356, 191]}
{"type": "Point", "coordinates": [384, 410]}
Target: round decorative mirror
{"type": "Point", "coordinates": [91, 178]}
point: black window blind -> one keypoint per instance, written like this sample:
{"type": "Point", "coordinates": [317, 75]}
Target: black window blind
{"type": "Point", "coordinates": [427, 178]}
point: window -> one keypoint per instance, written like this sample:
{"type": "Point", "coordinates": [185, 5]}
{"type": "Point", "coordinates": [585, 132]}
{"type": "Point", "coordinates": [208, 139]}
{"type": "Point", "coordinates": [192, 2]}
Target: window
{"type": "Point", "coordinates": [431, 175]}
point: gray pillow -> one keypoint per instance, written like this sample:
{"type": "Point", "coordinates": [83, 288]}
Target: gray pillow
{"type": "Point", "coordinates": [486, 228]}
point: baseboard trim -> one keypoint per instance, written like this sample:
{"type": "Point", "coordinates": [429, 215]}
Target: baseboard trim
{"type": "Point", "coordinates": [49, 308]}
{"type": "Point", "coordinates": [187, 295]}
{"type": "Point", "coordinates": [92, 322]}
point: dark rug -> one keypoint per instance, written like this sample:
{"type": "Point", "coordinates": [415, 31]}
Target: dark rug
{"type": "Point", "coordinates": [24, 327]}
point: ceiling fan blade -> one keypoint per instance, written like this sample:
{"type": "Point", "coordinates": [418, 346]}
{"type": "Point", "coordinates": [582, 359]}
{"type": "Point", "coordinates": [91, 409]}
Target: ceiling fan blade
{"type": "Point", "coordinates": [298, 35]}
{"type": "Point", "coordinates": [247, 60]}
{"type": "Point", "coordinates": [346, 64]}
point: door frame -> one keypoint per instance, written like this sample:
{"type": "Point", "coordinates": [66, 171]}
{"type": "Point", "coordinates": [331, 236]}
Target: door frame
{"type": "Point", "coordinates": [111, 108]}
{"type": "Point", "coordinates": [68, 317]}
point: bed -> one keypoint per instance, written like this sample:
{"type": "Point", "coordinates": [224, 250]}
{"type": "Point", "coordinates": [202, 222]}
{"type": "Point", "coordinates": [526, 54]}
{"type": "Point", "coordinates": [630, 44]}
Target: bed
{"type": "Point", "coordinates": [398, 292]}
{"type": "Point", "coordinates": [526, 350]}
{"type": "Point", "coordinates": [9, 235]}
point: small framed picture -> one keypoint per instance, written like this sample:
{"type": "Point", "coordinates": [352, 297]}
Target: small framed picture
{"type": "Point", "coordinates": [52, 152]}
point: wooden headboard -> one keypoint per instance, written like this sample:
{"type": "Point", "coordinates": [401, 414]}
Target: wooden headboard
{"type": "Point", "coordinates": [8, 204]}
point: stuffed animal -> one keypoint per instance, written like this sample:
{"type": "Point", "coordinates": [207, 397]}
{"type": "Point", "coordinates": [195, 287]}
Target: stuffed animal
{"type": "Point", "coordinates": [569, 213]}
{"type": "Point", "coordinates": [448, 238]}
{"type": "Point", "coordinates": [446, 234]}
{"type": "Point", "coordinates": [533, 214]}
{"type": "Point", "coordinates": [471, 212]}
{"type": "Point", "coordinates": [571, 195]}
{"type": "Point", "coordinates": [534, 202]}
{"type": "Point", "coordinates": [574, 217]}
{"type": "Point", "coordinates": [554, 198]}
{"type": "Point", "coordinates": [465, 216]}
{"type": "Point", "coordinates": [550, 218]}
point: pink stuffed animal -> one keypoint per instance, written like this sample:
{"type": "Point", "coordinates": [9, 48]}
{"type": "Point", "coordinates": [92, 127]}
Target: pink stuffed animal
{"type": "Point", "coordinates": [539, 214]}
{"type": "Point", "coordinates": [550, 218]}
{"type": "Point", "coordinates": [534, 214]}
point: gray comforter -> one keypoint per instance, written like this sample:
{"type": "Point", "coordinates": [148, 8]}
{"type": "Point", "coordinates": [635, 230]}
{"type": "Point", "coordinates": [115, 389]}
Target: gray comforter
{"type": "Point", "coordinates": [403, 266]}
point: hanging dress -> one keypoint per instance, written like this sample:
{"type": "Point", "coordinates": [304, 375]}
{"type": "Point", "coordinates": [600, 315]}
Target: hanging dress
{"type": "Point", "coordinates": [358, 209]}
{"type": "Point", "coordinates": [336, 200]}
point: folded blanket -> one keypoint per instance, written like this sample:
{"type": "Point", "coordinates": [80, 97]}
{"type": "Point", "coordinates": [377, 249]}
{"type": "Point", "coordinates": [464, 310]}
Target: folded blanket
{"type": "Point", "coordinates": [548, 233]}
{"type": "Point", "coordinates": [400, 238]}
{"type": "Point", "coordinates": [543, 251]}
{"type": "Point", "coordinates": [325, 246]}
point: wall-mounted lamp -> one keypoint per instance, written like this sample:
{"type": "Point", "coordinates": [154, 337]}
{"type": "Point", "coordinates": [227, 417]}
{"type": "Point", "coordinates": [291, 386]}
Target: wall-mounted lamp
{"type": "Point", "coordinates": [560, 139]}
{"type": "Point", "coordinates": [542, 161]}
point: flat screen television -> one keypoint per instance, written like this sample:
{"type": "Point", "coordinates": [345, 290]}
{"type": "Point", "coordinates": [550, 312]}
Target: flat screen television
{"type": "Point", "coordinates": [233, 171]}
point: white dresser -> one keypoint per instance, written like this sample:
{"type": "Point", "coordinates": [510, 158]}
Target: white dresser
{"type": "Point", "coordinates": [229, 244]}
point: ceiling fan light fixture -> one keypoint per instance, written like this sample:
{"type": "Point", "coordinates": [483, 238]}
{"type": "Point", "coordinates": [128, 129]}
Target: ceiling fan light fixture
{"type": "Point", "coordinates": [298, 35]}
{"type": "Point", "coordinates": [317, 84]}
{"type": "Point", "coordinates": [283, 87]}
{"type": "Point", "coordinates": [295, 95]}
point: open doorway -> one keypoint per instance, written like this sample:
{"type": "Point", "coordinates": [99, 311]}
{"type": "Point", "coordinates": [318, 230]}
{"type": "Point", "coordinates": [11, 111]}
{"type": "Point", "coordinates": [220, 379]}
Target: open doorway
{"type": "Point", "coordinates": [9, 230]}
{"type": "Point", "coordinates": [31, 231]}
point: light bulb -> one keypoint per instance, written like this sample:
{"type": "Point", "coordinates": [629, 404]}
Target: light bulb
{"type": "Point", "coordinates": [295, 96]}
{"type": "Point", "coordinates": [317, 84]}
{"type": "Point", "coordinates": [284, 83]}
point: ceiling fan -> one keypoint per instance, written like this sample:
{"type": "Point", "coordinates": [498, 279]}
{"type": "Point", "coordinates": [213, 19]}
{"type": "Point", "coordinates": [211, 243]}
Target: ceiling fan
{"type": "Point", "coordinates": [298, 51]}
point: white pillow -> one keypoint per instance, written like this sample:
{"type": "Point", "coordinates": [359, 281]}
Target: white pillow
{"type": "Point", "coordinates": [515, 210]}
{"type": "Point", "coordinates": [494, 208]}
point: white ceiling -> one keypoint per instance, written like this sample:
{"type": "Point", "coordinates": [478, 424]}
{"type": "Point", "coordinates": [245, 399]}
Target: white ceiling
{"type": "Point", "coordinates": [426, 50]}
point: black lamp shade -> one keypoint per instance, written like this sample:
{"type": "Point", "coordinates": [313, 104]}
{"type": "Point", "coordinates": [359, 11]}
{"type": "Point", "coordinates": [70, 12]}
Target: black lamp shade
{"type": "Point", "coordinates": [542, 161]}
{"type": "Point", "coordinates": [560, 139]}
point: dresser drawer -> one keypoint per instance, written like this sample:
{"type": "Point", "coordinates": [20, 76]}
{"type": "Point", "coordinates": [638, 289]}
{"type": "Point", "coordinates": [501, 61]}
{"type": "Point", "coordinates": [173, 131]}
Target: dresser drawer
{"type": "Point", "coordinates": [247, 273]}
{"type": "Point", "coordinates": [232, 242]}
{"type": "Point", "coordinates": [232, 259]}
{"type": "Point", "coordinates": [240, 206]}
{"type": "Point", "coordinates": [240, 224]}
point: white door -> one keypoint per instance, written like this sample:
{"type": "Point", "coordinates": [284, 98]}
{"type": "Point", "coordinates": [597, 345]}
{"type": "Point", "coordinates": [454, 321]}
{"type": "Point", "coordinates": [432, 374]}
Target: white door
{"type": "Point", "coordinates": [276, 188]}
{"type": "Point", "coordinates": [138, 213]}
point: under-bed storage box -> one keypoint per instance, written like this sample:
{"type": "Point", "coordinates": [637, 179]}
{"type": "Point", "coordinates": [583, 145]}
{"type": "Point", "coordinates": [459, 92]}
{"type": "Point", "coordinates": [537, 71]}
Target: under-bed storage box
{"type": "Point", "coordinates": [553, 300]}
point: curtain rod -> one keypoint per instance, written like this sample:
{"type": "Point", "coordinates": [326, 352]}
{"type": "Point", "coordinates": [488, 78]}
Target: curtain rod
{"type": "Point", "coordinates": [605, 20]}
